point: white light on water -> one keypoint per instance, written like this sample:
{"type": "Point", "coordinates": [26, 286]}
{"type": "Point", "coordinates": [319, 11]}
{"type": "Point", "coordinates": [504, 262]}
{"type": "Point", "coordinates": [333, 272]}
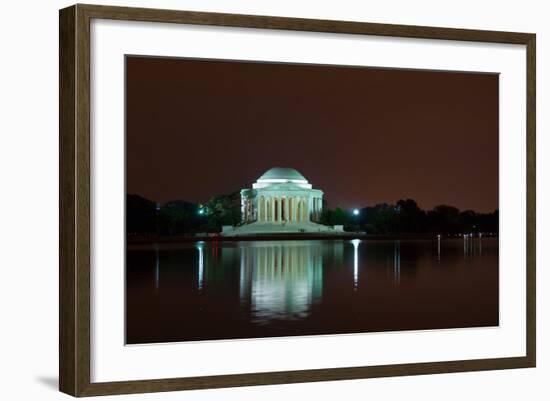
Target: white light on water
{"type": "Point", "coordinates": [200, 246]}
{"type": "Point", "coordinates": [355, 243]}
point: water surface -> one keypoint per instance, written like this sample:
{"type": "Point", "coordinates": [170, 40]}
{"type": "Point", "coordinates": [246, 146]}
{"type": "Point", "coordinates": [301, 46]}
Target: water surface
{"type": "Point", "coordinates": [246, 289]}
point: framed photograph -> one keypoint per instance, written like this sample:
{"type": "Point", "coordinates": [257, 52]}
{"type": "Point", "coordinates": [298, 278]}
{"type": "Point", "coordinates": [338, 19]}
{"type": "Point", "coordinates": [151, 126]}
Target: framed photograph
{"type": "Point", "coordinates": [250, 200]}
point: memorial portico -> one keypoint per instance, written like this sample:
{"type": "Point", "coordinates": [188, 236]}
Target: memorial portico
{"type": "Point", "coordinates": [281, 196]}
{"type": "Point", "coordinates": [281, 201]}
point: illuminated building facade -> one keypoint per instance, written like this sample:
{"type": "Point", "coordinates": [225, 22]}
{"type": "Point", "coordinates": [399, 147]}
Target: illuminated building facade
{"type": "Point", "coordinates": [281, 196]}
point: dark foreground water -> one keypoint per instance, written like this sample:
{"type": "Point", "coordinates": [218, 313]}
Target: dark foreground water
{"type": "Point", "coordinates": [223, 290]}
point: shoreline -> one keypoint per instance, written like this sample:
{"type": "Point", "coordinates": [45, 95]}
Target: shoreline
{"type": "Point", "coordinates": [287, 236]}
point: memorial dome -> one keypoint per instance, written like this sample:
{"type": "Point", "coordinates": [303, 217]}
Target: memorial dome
{"type": "Point", "coordinates": [282, 173]}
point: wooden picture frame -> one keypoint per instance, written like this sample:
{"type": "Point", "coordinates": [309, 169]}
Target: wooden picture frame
{"type": "Point", "coordinates": [74, 206]}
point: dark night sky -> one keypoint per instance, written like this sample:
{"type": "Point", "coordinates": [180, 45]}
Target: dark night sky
{"type": "Point", "coordinates": [196, 128]}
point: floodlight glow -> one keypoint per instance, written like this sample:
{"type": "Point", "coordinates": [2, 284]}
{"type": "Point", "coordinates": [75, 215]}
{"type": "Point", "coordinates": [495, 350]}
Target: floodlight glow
{"type": "Point", "coordinates": [356, 212]}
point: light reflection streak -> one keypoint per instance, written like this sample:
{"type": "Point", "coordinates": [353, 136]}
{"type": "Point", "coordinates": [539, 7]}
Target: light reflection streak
{"type": "Point", "coordinates": [355, 243]}
{"type": "Point", "coordinates": [200, 247]}
{"type": "Point", "coordinates": [397, 262]}
{"type": "Point", "coordinates": [157, 267]}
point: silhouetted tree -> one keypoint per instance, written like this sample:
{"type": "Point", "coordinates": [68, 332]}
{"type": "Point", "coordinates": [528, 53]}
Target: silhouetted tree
{"type": "Point", "coordinates": [409, 217]}
{"type": "Point", "coordinates": [338, 216]}
{"type": "Point", "coordinates": [222, 210]}
{"type": "Point", "coordinates": [379, 219]}
{"type": "Point", "coordinates": [141, 215]}
{"type": "Point", "coordinates": [444, 219]}
{"type": "Point", "coordinates": [404, 217]}
{"type": "Point", "coordinates": [180, 217]}
{"type": "Point", "coordinates": [488, 222]}
{"type": "Point", "coordinates": [468, 221]}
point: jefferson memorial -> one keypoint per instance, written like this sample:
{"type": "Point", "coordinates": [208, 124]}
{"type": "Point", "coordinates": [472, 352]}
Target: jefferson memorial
{"type": "Point", "coordinates": [280, 201]}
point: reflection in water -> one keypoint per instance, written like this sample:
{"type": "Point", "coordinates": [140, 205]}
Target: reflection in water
{"type": "Point", "coordinates": [200, 247]}
{"type": "Point", "coordinates": [247, 289]}
{"type": "Point", "coordinates": [157, 267]}
{"type": "Point", "coordinates": [281, 281]}
{"type": "Point", "coordinates": [480, 242]}
{"type": "Point", "coordinates": [396, 262]}
{"type": "Point", "coordinates": [472, 244]}
{"type": "Point", "coordinates": [355, 243]}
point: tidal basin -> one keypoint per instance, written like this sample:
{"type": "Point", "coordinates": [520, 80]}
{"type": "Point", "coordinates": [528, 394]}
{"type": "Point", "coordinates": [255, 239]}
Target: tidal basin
{"type": "Point", "coordinates": [210, 290]}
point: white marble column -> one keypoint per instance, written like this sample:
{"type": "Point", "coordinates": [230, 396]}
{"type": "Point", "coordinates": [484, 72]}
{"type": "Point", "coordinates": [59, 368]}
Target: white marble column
{"type": "Point", "coordinates": [289, 217]}
{"type": "Point", "coordinates": [261, 209]}
{"type": "Point", "coordinates": [318, 211]}
{"type": "Point", "coordinates": [315, 208]}
{"type": "Point", "coordinates": [287, 209]}
{"type": "Point", "coordinates": [279, 209]}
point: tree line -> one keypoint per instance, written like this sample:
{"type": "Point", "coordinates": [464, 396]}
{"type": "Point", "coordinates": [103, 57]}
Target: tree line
{"type": "Point", "coordinates": [179, 217]}
{"type": "Point", "coordinates": [406, 217]}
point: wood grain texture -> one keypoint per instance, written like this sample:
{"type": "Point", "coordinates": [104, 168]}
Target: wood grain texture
{"type": "Point", "coordinates": [82, 200]}
{"type": "Point", "coordinates": [74, 289]}
{"type": "Point", "coordinates": [301, 376]}
{"type": "Point", "coordinates": [301, 24]}
{"type": "Point", "coordinates": [67, 129]}
{"type": "Point", "coordinates": [74, 204]}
